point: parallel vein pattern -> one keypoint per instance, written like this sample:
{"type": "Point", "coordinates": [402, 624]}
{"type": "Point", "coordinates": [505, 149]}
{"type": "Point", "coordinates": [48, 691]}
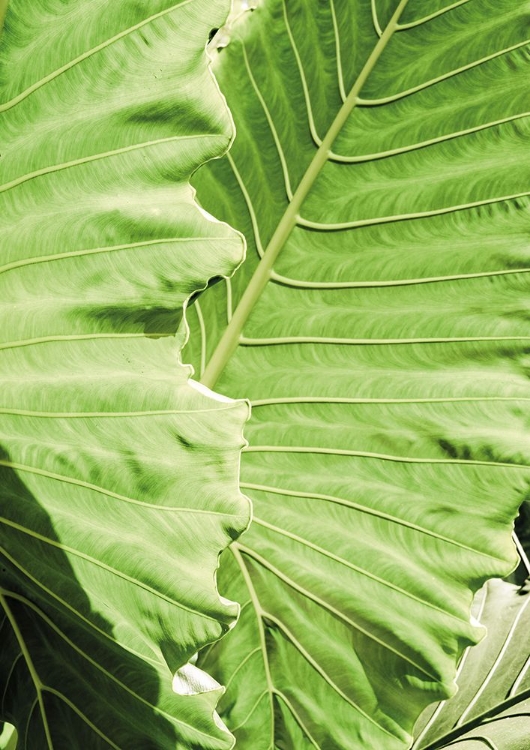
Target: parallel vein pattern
{"type": "Point", "coordinates": [380, 329]}
{"type": "Point", "coordinates": [492, 707]}
{"type": "Point", "coordinates": [118, 474]}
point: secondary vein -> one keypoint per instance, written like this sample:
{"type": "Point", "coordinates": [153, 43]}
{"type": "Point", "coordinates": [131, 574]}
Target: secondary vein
{"type": "Point", "coordinates": [230, 339]}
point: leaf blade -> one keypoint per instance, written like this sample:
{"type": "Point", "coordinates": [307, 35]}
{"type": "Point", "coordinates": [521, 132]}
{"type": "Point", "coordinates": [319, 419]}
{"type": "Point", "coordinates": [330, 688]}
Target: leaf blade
{"type": "Point", "coordinates": [119, 474]}
{"type": "Point", "coordinates": [380, 359]}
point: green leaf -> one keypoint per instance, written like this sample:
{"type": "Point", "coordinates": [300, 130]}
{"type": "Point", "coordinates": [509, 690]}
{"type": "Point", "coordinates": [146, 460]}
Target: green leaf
{"type": "Point", "coordinates": [380, 328]}
{"type": "Point", "coordinates": [118, 474]}
{"type": "Point", "coordinates": [493, 701]}
{"type": "Point", "coordinates": [8, 737]}
{"type": "Point", "coordinates": [3, 9]}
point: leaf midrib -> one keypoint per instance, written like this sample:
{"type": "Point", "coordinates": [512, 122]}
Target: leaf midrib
{"type": "Point", "coordinates": [230, 338]}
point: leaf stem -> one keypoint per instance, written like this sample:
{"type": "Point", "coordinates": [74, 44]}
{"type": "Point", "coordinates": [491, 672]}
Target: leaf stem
{"type": "Point", "coordinates": [522, 553]}
{"type": "Point", "coordinates": [230, 339]}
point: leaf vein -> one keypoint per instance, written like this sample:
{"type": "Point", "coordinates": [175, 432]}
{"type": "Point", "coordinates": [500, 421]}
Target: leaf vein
{"type": "Point", "coordinates": [312, 129]}
{"type": "Point", "coordinates": [270, 122]}
{"type": "Point", "coordinates": [99, 157]}
{"type": "Point", "coordinates": [297, 718]}
{"type": "Point", "coordinates": [381, 456]}
{"type": "Point", "coordinates": [443, 77]}
{"type": "Point", "coordinates": [85, 55]}
{"type": "Point", "coordinates": [284, 340]}
{"type": "Point", "coordinates": [96, 250]}
{"type": "Point", "coordinates": [329, 607]}
{"type": "Point", "coordinates": [107, 568]}
{"type": "Point", "coordinates": [322, 672]}
{"type": "Point", "coordinates": [431, 16]}
{"type": "Point", "coordinates": [71, 609]}
{"type": "Point", "coordinates": [102, 491]}
{"type": "Point", "coordinates": [356, 568]}
{"type": "Point", "coordinates": [344, 159]}
{"type": "Point", "coordinates": [371, 512]}
{"type": "Point", "coordinates": [306, 284]}
{"type": "Point", "coordinates": [333, 227]}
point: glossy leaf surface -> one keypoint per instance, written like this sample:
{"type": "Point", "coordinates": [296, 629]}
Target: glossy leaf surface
{"type": "Point", "coordinates": [380, 328]}
{"type": "Point", "coordinates": [118, 475]}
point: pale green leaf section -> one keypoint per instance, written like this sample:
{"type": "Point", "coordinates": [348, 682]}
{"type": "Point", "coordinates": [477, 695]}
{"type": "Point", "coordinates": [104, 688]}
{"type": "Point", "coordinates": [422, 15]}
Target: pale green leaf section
{"type": "Point", "coordinates": [8, 737]}
{"type": "Point", "coordinates": [119, 475]}
{"type": "Point", "coordinates": [493, 701]}
{"type": "Point", "coordinates": [380, 328]}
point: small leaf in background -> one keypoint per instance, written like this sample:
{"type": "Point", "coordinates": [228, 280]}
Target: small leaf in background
{"type": "Point", "coordinates": [492, 706]}
{"type": "Point", "coordinates": [8, 737]}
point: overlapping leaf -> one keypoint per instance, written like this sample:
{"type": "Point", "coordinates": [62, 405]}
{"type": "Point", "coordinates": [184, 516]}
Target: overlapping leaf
{"type": "Point", "coordinates": [8, 737]}
{"type": "Point", "coordinates": [380, 328]}
{"type": "Point", "coordinates": [118, 475]}
{"type": "Point", "coordinates": [493, 701]}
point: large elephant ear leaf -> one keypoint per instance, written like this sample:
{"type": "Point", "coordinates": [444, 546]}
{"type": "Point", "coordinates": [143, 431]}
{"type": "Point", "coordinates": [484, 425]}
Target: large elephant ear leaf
{"type": "Point", "coordinates": [380, 328]}
{"type": "Point", "coordinates": [492, 706]}
{"type": "Point", "coordinates": [118, 474]}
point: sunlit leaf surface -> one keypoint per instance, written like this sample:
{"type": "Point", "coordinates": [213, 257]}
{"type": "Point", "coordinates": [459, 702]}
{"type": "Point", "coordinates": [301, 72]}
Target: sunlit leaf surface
{"type": "Point", "coordinates": [380, 328]}
{"type": "Point", "coordinates": [118, 475]}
